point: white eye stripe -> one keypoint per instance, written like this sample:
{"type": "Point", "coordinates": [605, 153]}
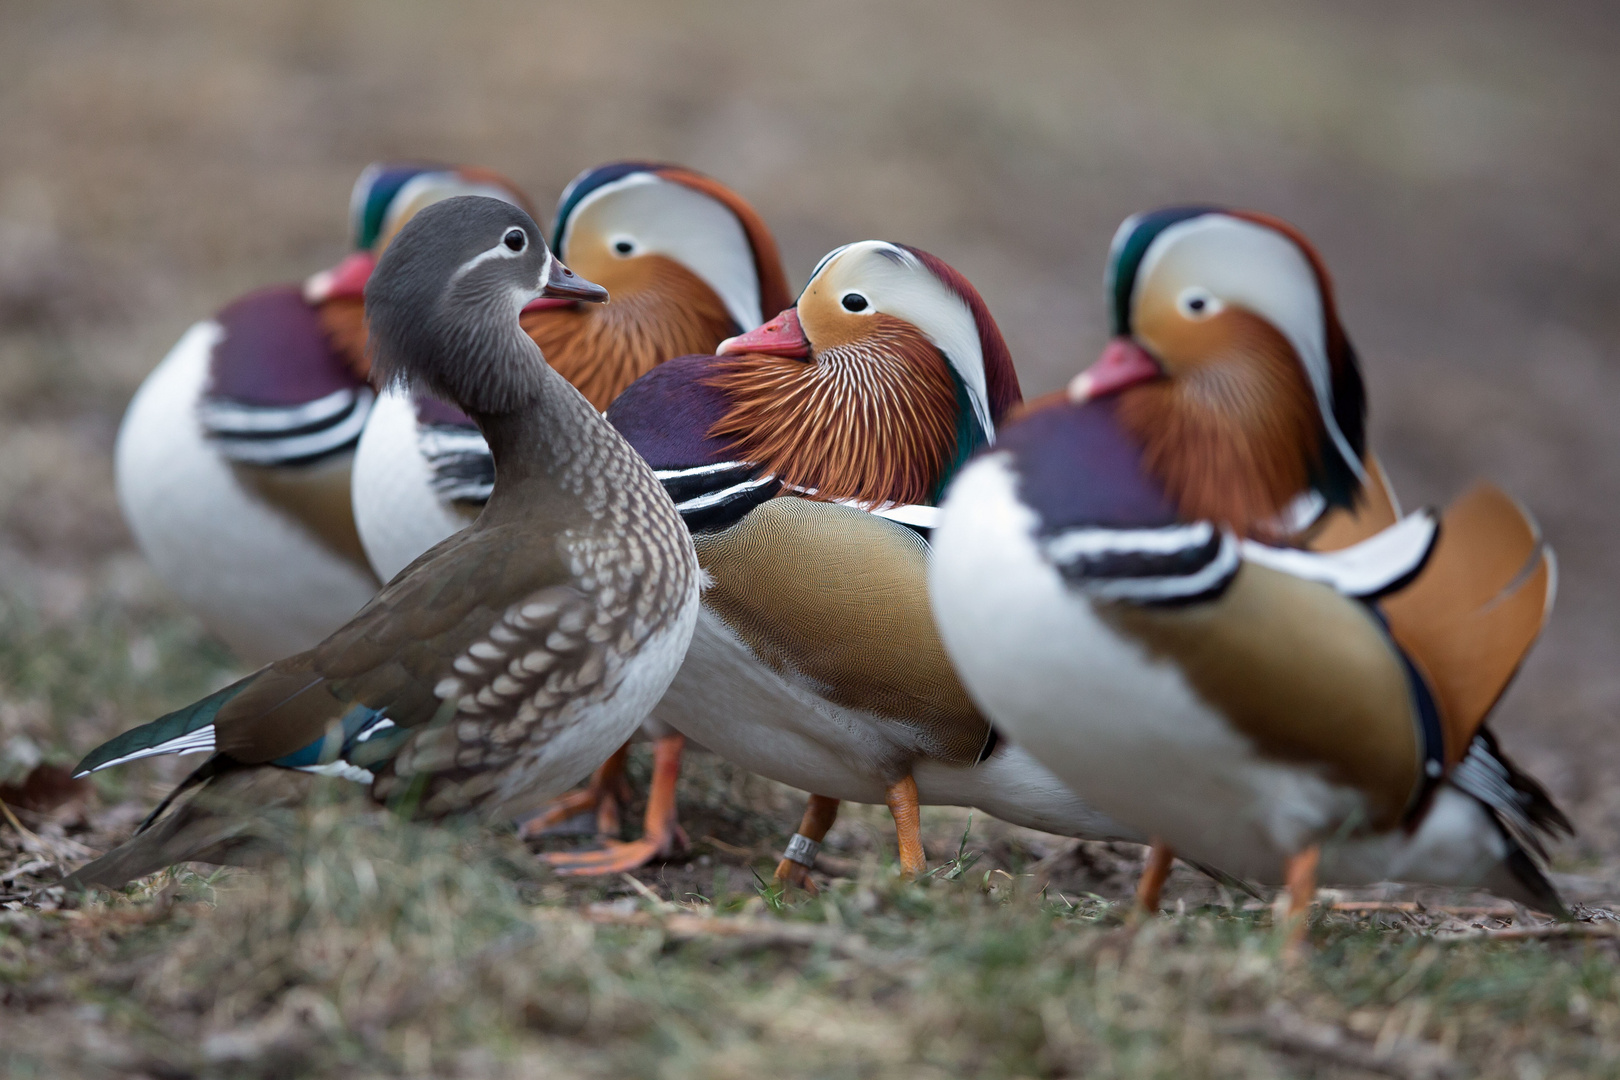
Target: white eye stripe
{"type": "Point", "coordinates": [499, 251]}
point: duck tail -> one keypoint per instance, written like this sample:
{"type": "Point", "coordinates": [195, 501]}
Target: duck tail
{"type": "Point", "coordinates": [1526, 815]}
{"type": "Point", "coordinates": [185, 731]}
{"type": "Point", "coordinates": [232, 817]}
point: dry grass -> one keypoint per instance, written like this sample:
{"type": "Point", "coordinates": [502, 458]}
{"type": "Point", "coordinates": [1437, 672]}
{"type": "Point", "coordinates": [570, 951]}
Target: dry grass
{"type": "Point", "coordinates": [1457, 163]}
{"type": "Point", "coordinates": [382, 948]}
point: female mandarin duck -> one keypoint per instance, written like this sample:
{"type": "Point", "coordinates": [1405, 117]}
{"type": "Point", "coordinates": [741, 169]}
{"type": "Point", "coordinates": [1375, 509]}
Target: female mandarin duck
{"type": "Point", "coordinates": [513, 657]}
{"type": "Point", "coordinates": [799, 457]}
{"type": "Point", "coordinates": [1103, 583]}
{"type": "Point", "coordinates": [233, 459]}
{"type": "Point", "coordinates": [688, 263]}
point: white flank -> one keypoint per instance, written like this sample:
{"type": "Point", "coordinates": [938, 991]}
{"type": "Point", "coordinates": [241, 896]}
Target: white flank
{"type": "Point", "coordinates": [396, 511]}
{"type": "Point", "coordinates": [256, 577]}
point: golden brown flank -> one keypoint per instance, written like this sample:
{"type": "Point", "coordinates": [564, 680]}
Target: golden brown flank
{"type": "Point", "coordinates": [658, 310]}
{"type": "Point", "coordinates": [871, 417]}
{"type": "Point", "coordinates": [1275, 649]}
{"type": "Point", "coordinates": [1233, 432]}
{"type": "Point", "coordinates": [838, 598]}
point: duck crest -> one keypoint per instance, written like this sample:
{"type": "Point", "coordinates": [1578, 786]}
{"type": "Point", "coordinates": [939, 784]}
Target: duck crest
{"type": "Point", "coordinates": [878, 420]}
{"type": "Point", "coordinates": [602, 349]}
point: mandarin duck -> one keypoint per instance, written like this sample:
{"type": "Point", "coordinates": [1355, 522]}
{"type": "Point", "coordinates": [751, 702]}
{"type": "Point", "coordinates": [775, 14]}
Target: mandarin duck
{"type": "Point", "coordinates": [1118, 583]}
{"type": "Point", "coordinates": [233, 458]}
{"type": "Point", "coordinates": [688, 263]}
{"type": "Point", "coordinates": [805, 458]}
{"type": "Point", "coordinates": [513, 657]}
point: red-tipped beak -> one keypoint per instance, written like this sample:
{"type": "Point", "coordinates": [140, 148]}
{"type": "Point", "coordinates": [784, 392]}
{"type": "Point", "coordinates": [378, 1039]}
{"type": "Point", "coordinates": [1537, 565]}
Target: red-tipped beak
{"type": "Point", "coordinates": [782, 336]}
{"type": "Point", "coordinates": [1123, 363]}
{"type": "Point", "coordinates": [346, 280]}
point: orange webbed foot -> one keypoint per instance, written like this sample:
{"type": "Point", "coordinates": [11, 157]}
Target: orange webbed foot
{"type": "Point", "coordinates": [604, 796]}
{"type": "Point", "coordinates": [796, 875]}
{"type": "Point", "coordinates": [618, 857]}
{"type": "Point", "coordinates": [663, 837]}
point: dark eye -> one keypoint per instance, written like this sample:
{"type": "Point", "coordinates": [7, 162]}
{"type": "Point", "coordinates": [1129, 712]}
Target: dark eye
{"type": "Point", "coordinates": [624, 247]}
{"type": "Point", "coordinates": [854, 301]}
{"type": "Point", "coordinates": [1196, 302]}
{"type": "Point", "coordinates": [516, 239]}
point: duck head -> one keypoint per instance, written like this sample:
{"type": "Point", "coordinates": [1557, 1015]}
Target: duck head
{"type": "Point", "coordinates": [1229, 365]}
{"type": "Point", "coordinates": [876, 385]}
{"type": "Point", "coordinates": [442, 305]}
{"type": "Point", "coordinates": [688, 263]}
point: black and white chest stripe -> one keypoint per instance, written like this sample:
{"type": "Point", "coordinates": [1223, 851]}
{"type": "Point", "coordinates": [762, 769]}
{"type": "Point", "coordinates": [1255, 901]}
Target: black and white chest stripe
{"type": "Point", "coordinates": [711, 497]}
{"type": "Point", "coordinates": [460, 466]}
{"type": "Point", "coordinates": [286, 434]}
{"type": "Point", "coordinates": [1185, 563]}
{"type": "Point", "coordinates": [715, 496]}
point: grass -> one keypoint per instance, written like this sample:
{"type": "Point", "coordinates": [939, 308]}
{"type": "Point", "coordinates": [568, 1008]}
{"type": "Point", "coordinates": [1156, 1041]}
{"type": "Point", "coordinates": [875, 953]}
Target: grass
{"type": "Point", "coordinates": [379, 947]}
{"type": "Point", "coordinates": [385, 948]}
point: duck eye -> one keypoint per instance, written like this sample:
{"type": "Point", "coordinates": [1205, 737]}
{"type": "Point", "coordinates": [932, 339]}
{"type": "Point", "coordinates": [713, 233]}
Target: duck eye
{"type": "Point", "coordinates": [1197, 303]}
{"type": "Point", "coordinates": [854, 301]}
{"type": "Point", "coordinates": [624, 247]}
{"type": "Point", "coordinates": [516, 239]}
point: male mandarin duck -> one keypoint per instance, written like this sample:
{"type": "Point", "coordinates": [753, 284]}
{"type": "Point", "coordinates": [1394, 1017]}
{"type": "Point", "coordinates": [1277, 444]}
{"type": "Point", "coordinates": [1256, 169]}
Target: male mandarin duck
{"type": "Point", "coordinates": [1105, 582]}
{"type": "Point", "coordinates": [233, 458]}
{"type": "Point", "coordinates": [509, 660]}
{"type": "Point", "coordinates": [688, 263]}
{"type": "Point", "coordinates": [801, 456]}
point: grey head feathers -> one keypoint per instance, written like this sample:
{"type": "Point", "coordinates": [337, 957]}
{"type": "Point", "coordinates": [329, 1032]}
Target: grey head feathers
{"type": "Point", "coordinates": [442, 304]}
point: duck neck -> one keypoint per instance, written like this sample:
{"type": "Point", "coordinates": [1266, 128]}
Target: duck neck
{"type": "Point", "coordinates": [538, 447]}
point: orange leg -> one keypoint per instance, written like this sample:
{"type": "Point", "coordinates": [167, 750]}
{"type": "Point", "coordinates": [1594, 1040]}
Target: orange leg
{"type": "Point", "coordinates": [1154, 872]}
{"type": "Point", "coordinates": [1301, 878]}
{"type": "Point", "coordinates": [605, 794]}
{"type": "Point", "coordinates": [795, 867]}
{"type": "Point", "coordinates": [906, 806]}
{"type": "Point", "coordinates": [662, 835]}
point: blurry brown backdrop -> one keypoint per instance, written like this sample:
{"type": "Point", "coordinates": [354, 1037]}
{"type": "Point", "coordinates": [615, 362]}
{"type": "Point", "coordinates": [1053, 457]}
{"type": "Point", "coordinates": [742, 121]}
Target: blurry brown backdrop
{"type": "Point", "coordinates": [1458, 165]}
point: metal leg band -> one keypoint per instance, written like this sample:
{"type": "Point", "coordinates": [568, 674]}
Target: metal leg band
{"type": "Point", "coordinates": [802, 850]}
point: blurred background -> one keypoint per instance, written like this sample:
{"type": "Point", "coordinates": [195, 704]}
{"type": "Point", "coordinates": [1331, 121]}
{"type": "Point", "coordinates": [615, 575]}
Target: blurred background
{"type": "Point", "coordinates": [1457, 164]}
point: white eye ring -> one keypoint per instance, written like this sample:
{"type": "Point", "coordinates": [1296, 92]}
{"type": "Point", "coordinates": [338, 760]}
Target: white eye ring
{"type": "Point", "coordinates": [515, 240]}
{"type": "Point", "coordinates": [623, 246]}
{"type": "Point", "coordinates": [1196, 302]}
{"type": "Point", "coordinates": [855, 302]}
